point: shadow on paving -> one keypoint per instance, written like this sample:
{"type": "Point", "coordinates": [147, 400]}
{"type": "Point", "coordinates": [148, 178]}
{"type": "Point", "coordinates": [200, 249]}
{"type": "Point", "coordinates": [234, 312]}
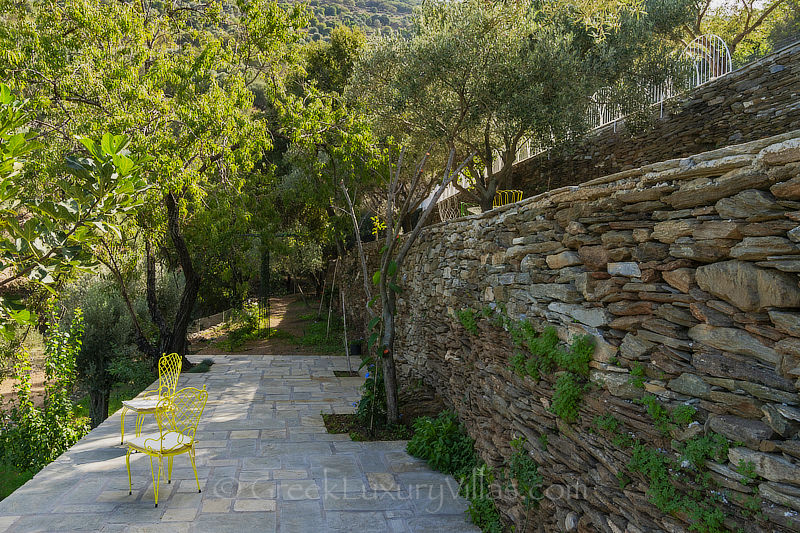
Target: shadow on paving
{"type": "Point", "coordinates": [264, 460]}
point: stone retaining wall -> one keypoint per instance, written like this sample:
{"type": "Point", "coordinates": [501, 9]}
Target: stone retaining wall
{"type": "Point", "coordinates": [685, 271]}
{"type": "Point", "coordinates": [757, 101]}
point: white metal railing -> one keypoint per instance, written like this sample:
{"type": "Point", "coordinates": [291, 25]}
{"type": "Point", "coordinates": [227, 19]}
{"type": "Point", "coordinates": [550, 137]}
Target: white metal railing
{"type": "Point", "coordinates": [711, 59]}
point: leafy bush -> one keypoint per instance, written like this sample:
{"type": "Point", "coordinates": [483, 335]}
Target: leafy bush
{"type": "Point", "coordinates": [664, 475]}
{"type": "Point", "coordinates": [545, 354]}
{"type": "Point", "coordinates": [110, 335]}
{"type": "Point", "coordinates": [638, 376]}
{"type": "Point", "coordinates": [371, 408]}
{"type": "Point", "coordinates": [31, 437]}
{"type": "Point", "coordinates": [482, 509]}
{"type": "Point", "coordinates": [443, 444]}
{"type": "Point", "coordinates": [683, 414]}
{"type": "Point", "coordinates": [659, 413]}
{"type": "Point", "coordinates": [132, 370]}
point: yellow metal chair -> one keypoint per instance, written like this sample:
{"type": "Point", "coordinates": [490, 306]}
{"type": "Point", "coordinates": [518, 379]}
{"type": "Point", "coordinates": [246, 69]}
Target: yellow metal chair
{"type": "Point", "coordinates": [178, 417]}
{"type": "Point", "coordinates": [506, 197]}
{"type": "Point", "coordinates": [169, 369]}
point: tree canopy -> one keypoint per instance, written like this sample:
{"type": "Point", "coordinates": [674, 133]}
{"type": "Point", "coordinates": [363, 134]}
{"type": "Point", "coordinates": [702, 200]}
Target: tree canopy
{"type": "Point", "coordinates": [487, 77]}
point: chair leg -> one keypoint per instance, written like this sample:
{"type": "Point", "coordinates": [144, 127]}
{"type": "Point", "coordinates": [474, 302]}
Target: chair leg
{"type": "Point", "coordinates": [169, 469]}
{"type": "Point", "coordinates": [122, 437]}
{"type": "Point", "coordinates": [191, 458]}
{"type": "Point", "coordinates": [156, 477]}
{"type": "Point", "coordinates": [128, 463]}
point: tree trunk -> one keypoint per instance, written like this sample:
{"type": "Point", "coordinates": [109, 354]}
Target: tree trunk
{"type": "Point", "coordinates": [98, 405]}
{"type": "Point", "coordinates": [487, 198]}
{"type": "Point", "coordinates": [387, 358]}
{"type": "Point", "coordinates": [176, 340]}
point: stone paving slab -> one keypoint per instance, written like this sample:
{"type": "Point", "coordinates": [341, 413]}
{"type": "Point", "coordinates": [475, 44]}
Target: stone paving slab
{"type": "Point", "coordinates": [264, 460]}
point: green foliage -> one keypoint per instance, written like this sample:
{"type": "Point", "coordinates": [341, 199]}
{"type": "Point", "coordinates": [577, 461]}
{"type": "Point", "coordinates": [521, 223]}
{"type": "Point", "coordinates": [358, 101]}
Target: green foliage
{"type": "Point", "coordinates": [467, 319]}
{"type": "Point", "coordinates": [525, 471]}
{"type": "Point", "coordinates": [442, 442]}
{"type": "Point", "coordinates": [620, 438]}
{"type": "Point", "coordinates": [371, 408]}
{"type": "Point", "coordinates": [517, 364]}
{"type": "Point", "coordinates": [544, 354]}
{"type": "Point", "coordinates": [133, 371]}
{"type": "Point", "coordinates": [374, 17]}
{"type": "Point", "coordinates": [12, 478]}
{"type": "Point", "coordinates": [658, 413]}
{"type": "Point", "coordinates": [751, 504]}
{"type": "Point", "coordinates": [567, 396]}
{"type": "Point", "coordinates": [683, 414]}
{"type": "Point", "coordinates": [529, 68]}
{"type": "Point", "coordinates": [607, 422]}
{"type": "Point", "coordinates": [317, 334]}
{"type": "Point", "coordinates": [543, 441]}
{"type": "Point", "coordinates": [700, 449]}
{"type": "Point", "coordinates": [109, 353]}
{"type": "Point", "coordinates": [638, 377]}
{"type": "Point", "coordinates": [245, 326]}
{"type": "Point", "coordinates": [752, 30]}
{"type": "Point", "coordinates": [30, 436]}
{"type": "Point", "coordinates": [698, 498]}
{"type": "Point", "coordinates": [748, 470]}
{"type": "Point", "coordinates": [482, 509]}
{"type": "Point", "coordinates": [61, 226]}
{"type": "Point", "coordinates": [655, 466]}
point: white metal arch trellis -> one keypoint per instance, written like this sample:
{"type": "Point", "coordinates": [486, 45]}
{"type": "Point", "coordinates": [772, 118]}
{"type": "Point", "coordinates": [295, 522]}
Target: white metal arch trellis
{"type": "Point", "coordinates": [711, 57]}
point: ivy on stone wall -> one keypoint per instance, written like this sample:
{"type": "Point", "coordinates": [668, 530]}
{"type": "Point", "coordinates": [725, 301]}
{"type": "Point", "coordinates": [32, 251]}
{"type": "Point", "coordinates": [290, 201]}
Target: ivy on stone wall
{"type": "Point", "coordinates": [680, 481]}
{"type": "Point", "coordinates": [538, 353]}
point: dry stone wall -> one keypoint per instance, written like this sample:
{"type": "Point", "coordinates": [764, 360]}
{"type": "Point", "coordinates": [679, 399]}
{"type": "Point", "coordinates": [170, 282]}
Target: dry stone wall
{"type": "Point", "coordinates": [686, 274]}
{"type": "Point", "coordinates": [757, 101]}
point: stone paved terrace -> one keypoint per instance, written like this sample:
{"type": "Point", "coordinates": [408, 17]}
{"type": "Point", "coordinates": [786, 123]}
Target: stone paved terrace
{"type": "Point", "coordinates": [265, 463]}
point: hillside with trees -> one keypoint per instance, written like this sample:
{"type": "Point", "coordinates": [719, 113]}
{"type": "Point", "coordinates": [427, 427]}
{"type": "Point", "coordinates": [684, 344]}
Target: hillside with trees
{"type": "Point", "coordinates": [373, 17]}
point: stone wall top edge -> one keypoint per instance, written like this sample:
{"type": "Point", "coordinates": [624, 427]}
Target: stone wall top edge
{"type": "Point", "coordinates": [646, 177]}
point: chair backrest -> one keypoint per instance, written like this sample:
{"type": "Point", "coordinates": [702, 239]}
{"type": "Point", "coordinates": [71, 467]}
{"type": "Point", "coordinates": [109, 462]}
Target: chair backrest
{"type": "Point", "coordinates": [181, 413]}
{"type": "Point", "coordinates": [169, 370]}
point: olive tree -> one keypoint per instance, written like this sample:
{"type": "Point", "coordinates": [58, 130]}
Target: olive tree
{"type": "Point", "coordinates": [487, 77]}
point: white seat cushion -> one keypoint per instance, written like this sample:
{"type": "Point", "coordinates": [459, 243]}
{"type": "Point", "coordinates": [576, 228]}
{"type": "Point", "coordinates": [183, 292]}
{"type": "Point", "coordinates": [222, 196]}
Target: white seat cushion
{"type": "Point", "coordinates": [142, 404]}
{"type": "Point", "coordinates": [173, 441]}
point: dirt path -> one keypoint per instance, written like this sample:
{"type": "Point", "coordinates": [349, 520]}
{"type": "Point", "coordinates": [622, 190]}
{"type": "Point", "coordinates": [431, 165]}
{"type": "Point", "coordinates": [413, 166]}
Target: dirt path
{"type": "Point", "coordinates": [7, 392]}
{"type": "Point", "coordinates": [285, 315]}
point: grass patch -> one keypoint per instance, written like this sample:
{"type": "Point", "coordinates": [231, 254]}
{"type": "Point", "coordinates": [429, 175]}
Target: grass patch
{"type": "Point", "coordinates": [317, 335]}
{"type": "Point", "coordinates": [350, 424]}
{"type": "Point", "coordinates": [12, 478]}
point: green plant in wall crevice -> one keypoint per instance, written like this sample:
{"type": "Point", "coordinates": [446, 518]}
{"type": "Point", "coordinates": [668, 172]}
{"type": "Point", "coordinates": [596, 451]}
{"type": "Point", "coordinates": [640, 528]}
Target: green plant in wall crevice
{"type": "Point", "coordinates": [537, 354]}
{"type": "Point", "coordinates": [681, 483]}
